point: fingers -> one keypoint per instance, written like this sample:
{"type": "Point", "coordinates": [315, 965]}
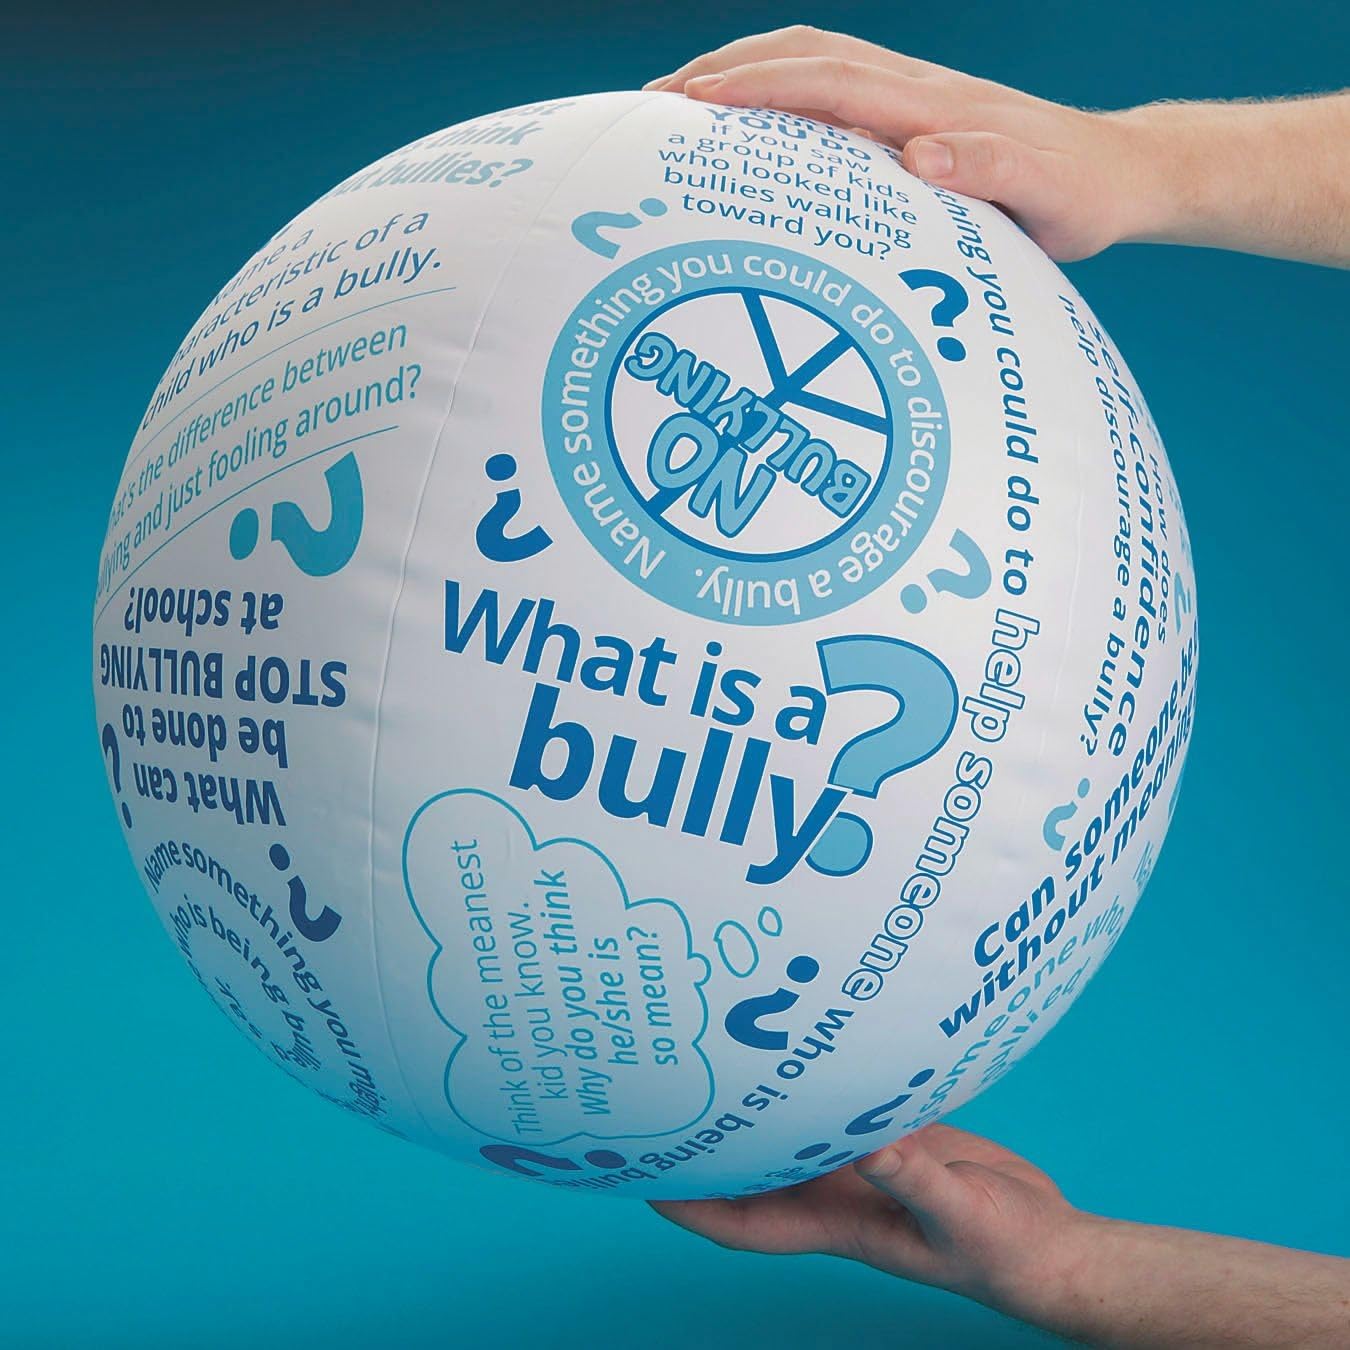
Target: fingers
{"type": "Point", "coordinates": [875, 137]}
{"type": "Point", "coordinates": [721, 1221]}
{"type": "Point", "coordinates": [798, 40]}
{"type": "Point", "coordinates": [779, 1222]}
{"type": "Point", "coordinates": [1046, 191]}
{"type": "Point", "coordinates": [914, 1176]}
{"type": "Point", "coordinates": [951, 1144]}
{"type": "Point", "coordinates": [895, 106]}
{"type": "Point", "coordinates": [982, 164]}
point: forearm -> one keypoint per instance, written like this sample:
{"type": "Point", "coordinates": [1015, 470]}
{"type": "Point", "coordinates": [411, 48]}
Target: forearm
{"type": "Point", "coordinates": [1271, 178]}
{"type": "Point", "coordinates": [1125, 1286]}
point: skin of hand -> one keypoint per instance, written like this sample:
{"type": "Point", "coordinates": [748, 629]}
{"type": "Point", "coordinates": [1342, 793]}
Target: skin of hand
{"type": "Point", "coordinates": [948, 1208]}
{"type": "Point", "coordinates": [1269, 178]}
{"type": "Point", "coordinates": [942, 1206]}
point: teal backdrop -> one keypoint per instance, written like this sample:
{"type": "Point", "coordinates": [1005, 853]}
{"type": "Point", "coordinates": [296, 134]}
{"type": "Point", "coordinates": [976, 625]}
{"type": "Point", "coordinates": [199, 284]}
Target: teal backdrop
{"type": "Point", "coordinates": [161, 1184]}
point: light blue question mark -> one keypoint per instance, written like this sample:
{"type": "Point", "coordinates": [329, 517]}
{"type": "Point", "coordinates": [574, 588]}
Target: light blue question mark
{"type": "Point", "coordinates": [586, 227]}
{"type": "Point", "coordinates": [926, 699]}
{"type": "Point", "coordinates": [1059, 816]}
{"type": "Point", "coordinates": [317, 553]}
{"type": "Point", "coordinates": [974, 581]}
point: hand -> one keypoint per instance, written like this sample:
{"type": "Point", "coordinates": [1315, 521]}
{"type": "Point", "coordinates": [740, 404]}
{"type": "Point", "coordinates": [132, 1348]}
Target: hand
{"type": "Point", "coordinates": [942, 1207]}
{"type": "Point", "coordinates": [1073, 180]}
{"type": "Point", "coordinates": [1262, 177]}
{"type": "Point", "coordinates": [948, 1208]}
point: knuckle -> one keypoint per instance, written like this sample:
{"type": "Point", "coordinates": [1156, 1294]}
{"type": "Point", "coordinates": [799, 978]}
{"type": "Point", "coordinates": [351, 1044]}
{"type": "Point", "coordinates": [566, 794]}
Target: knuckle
{"type": "Point", "coordinates": [999, 159]}
{"type": "Point", "coordinates": [840, 70]}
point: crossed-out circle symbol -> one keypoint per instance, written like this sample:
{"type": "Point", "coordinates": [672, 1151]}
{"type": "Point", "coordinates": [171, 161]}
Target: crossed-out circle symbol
{"type": "Point", "coordinates": [818, 403]}
{"type": "Point", "coordinates": [758, 441]}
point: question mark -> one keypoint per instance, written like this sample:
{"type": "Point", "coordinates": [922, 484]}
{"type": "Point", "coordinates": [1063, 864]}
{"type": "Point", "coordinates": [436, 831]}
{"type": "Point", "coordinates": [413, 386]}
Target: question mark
{"type": "Point", "coordinates": [954, 302]}
{"type": "Point", "coordinates": [318, 929]}
{"type": "Point", "coordinates": [926, 696]}
{"type": "Point", "coordinates": [743, 1019]}
{"type": "Point", "coordinates": [317, 553]}
{"type": "Point", "coordinates": [1059, 815]}
{"type": "Point", "coordinates": [1144, 867]}
{"type": "Point", "coordinates": [586, 228]}
{"type": "Point", "coordinates": [866, 1122]}
{"type": "Point", "coordinates": [925, 714]}
{"type": "Point", "coordinates": [1182, 604]}
{"type": "Point", "coordinates": [113, 752]}
{"type": "Point", "coordinates": [968, 584]}
{"type": "Point", "coordinates": [491, 537]}
{"type": "Point", "coordinates": [880, 1117]}
{"type": "Point", "coordinates": [522, 1161]}
{"type": "Point", "coordinates": [517, 166]}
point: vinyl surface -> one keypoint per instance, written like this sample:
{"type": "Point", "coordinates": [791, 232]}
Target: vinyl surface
{"type": "Point", "coordinates": [200, 1196]}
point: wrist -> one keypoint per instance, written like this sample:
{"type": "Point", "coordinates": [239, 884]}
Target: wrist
{"type": "Point", "coordinates": [1166, 189]}
{"type": "Point", "coordinates": [1048, 1284]}
{"type": "Point", "coordinates": [1235, 175]}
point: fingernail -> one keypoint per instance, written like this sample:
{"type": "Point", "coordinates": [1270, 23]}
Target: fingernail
{"type": "Point", "coordinates": [932, 159]}
{"type": "Point", "coordinates": [657, 83]}
{"type": "Point", "coordinates": [704, 84]}
{"type": "Point", "coordinates": [880, 1165]}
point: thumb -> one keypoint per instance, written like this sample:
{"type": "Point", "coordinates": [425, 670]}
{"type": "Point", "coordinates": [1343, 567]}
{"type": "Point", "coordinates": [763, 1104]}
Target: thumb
{"type": "Point", "coordinates": [909, 1173]}
{"type": "Point", "coordinates": [1034, 186]}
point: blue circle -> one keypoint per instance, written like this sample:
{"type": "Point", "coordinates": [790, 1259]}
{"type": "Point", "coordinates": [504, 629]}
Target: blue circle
{"type": "Point", "coordinates": [696, 577]}
{"type": "Point", "coordinates": [914, 599]}
{"type": "Point", "coordinates": [781, 555]}
{"type": "Point", "coordinates": [811, 1151]}
{"type": "Point", "coordinates": [843, 847]}
{"type": "Point", "coordinates": [243, 534]}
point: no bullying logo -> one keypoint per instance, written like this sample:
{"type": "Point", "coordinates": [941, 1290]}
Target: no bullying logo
{"type": "Point", "coordinates": [733, 426]}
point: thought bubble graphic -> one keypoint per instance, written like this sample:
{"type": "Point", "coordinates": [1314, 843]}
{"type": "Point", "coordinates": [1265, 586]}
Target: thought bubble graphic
{"type": "Point", "coordinates": [579, 1012]}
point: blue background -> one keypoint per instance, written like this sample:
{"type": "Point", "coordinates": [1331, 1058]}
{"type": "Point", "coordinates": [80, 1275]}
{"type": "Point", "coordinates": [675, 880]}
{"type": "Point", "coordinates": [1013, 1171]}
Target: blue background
{"type": "Point", "coordinates": [160, 1183]}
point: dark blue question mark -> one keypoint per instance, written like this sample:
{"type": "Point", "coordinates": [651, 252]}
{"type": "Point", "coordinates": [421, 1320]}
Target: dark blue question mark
{"type": "Point", "coordinates": [491, 537]}
{"type": "Point", "coordinates": [954, 302]}
{"type": "Point", "coordinates": [113, 752]}
{"type": "Point", "coordinates": [743, 1019]}
{"type": "Point", "coordinates": [524, 1161]}
{"type": "Point", "coordinates": [871, 1121]}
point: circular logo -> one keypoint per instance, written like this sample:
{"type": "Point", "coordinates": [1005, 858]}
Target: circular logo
{"type": "Point", "coordinates": [744, 431]}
